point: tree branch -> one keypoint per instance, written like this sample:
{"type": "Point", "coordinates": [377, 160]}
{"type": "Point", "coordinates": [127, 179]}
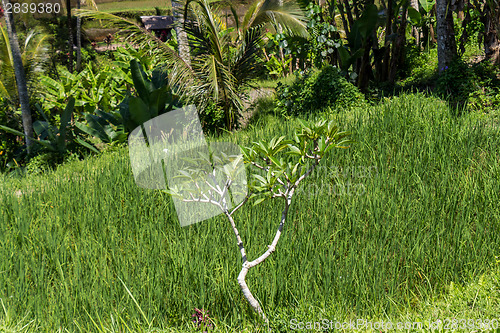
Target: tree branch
{"type": "Point", "coordinates": [241, 203]}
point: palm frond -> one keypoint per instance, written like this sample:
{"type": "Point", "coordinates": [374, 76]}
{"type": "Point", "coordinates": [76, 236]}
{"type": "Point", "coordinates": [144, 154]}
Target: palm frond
{"type": "Point", "coordinates": [246, 64]}
{"type": "Point", "coordinates": [35, 50]}
{"type": "Point", "coordinates": [5, 53]}
{"type": "Point", "coordinates": [235, 17]}
{"type": "Point", "coordinates": [289, 16]}
{"type": "Point", "coordinates": [8, 81]}
{"type": "Point", "coordinates": [251, 14]}
{"type": "Point", "coordinates": [210, 24]}
{"type": "Point", "coordinates": [4, 92]}
{"type": "Point", "coordinates": [199, 40]}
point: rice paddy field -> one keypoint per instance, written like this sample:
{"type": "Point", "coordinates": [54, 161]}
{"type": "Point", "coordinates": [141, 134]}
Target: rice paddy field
{"type": "Point", "coordinates": [120, 6]}
{"type": "Point", "coordinates": [404, 225]}
{"type": "Point", "coordinates": [141, 5]}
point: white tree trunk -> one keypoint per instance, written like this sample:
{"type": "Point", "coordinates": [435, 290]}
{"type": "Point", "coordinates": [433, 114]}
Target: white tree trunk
{"type": "Point", "coordinates": [247, 265]}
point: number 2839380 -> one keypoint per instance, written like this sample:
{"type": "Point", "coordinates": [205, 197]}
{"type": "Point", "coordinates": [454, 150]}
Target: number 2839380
{"type": "Point", "coordinates": [33, 8]}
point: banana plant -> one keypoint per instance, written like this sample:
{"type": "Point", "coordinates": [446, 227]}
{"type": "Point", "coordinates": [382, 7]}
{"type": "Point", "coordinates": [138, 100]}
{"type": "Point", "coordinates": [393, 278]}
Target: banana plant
{"type": "Point", "coordinates": [107, 126]}
{"type": "Point", "coordinates": [358, 36]}
{"type": "Point", "coordinates": [90, 89]}
{"type": "Point", "coordinates": [154, 97]}
{"type": "Point", "coordinates": [423, 18]}
{"type": "Point", "coordinates": [58, 91]}
{"type": "Point", "coordinates": [277, 68]}
{"type": "Point", "coordinates": [147, 55]}
{"type": "Point", "coordinates": [52, 138]}
{"type": "Point", "coordinates": [103, 89]}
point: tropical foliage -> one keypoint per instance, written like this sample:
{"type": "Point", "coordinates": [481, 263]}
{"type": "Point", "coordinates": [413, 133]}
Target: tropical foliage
{"type": "Point", "coordinates": [317, 90]}
{"type": "Point", "coordinates": [34, 56]}
{"type": "Point", "coordinates": [223, 60]}
{"type": "Point", "coordinates": [365, 232]}
{"type": "Point", "coordinates": [273, 38]}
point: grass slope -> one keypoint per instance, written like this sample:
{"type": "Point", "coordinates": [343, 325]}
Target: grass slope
{"type": "Point", "coordinates": [381, 231]}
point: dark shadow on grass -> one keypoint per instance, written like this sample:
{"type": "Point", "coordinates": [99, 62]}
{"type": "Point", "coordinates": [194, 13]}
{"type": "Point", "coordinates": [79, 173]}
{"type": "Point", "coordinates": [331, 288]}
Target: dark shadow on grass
{"type": "Point", "coordinates": [460, 85]}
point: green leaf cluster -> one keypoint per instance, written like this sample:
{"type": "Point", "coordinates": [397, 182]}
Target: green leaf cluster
{"type": "Point", "coordinates": [92, 88]}
{"type": "Point", "coordinates": [284, 163]}
{"type": "Point", "coordinates": [154, 97]}
{"type": "Point", "coordinates": [317, 90]}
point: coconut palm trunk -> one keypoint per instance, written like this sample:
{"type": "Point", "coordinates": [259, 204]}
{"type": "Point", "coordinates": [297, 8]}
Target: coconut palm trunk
{"type": "Point", "coordinates": [22, 87]}
{"type": "Point", "coordinates": [182, 39]}
{"type": "Point", "coordinates": [70, 38]}
{"type": "Point", "coordinates": [78, 39]}
{"type": "Point", "coordinates": [447, 47]}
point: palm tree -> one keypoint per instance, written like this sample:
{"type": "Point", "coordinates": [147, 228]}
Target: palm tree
{"type": "Point", "coordinates": [34, 58]}
{"type": "Point", "coordinates": [183, 46]}
{"type": "Point", "coordinates": [22, 88]}
{"type": "Point", "coordinates": [70, 38]}
{"type": "Point", "coordinates": [221, 63]}
{"type": "Point", "coordinates": [447, 47]}
{"type": "Point", "coordinates": [224, 64]}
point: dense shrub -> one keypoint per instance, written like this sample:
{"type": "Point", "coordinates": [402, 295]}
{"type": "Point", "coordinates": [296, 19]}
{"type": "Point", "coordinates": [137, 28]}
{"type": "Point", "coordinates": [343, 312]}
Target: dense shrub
{"type": "Point", "coordinates": [42, 163]}
{"type": "Point", "coordinates": [466, 84]}
{"type": "Point", "coordinates": [212, 117]}
{"type": "Point", "coordinates": [486, 96]}
{"type": "Point", "coordinates": [474, 86]}
{"type": "Point", "coordinates": [317, 90]}
{"type": "Point", "coordinates": [419, 67]}
{"type": "Point", "coordinates": [455, 82]}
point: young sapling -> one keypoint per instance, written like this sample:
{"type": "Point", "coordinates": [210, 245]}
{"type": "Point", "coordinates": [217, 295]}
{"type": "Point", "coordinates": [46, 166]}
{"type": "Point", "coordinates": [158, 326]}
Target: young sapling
{"type": "Point", "coordinates": [280, 165]}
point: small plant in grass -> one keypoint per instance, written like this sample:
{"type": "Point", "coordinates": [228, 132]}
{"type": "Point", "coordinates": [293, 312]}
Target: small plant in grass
{"type": "Point", "coordinates": [280, 164]}
{"type": "Point", "coordinates": [201, 319]}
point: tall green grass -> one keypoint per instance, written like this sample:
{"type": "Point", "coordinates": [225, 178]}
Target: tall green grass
{"type": "Point", "coordinates": [424, 213]}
